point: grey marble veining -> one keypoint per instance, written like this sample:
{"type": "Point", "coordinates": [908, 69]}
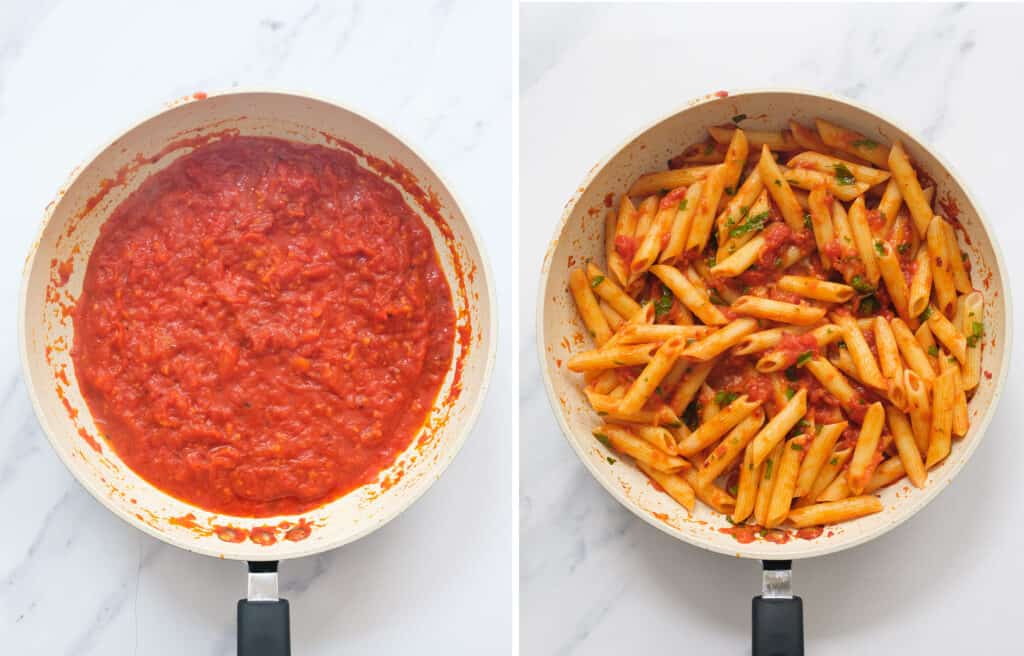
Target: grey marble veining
{"type": "Point", "coordinates": [595, 580]}
{"type": "Point", "coordinates": [76, 580]}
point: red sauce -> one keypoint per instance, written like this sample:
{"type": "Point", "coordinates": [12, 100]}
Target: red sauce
{"type": "Point", "coordinates": [744, 534]}
{"type": "Point", "coordinates": [875, 219]}
{"type": "Point", "coordinates": [793, 346]}
{"type": "Point", "coordinates": [810, 532]}
{"type": "Point", "coordinates": [625, 246]}
{"type": "Point", "coordinates": [673, 197]}
{"type": "Point", "coordinates": [263, 327]}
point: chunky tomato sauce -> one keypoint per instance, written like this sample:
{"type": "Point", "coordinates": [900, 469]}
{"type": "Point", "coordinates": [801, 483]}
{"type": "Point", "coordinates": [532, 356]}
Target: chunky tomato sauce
{"type": "Point", "coordinates": [263, 327]}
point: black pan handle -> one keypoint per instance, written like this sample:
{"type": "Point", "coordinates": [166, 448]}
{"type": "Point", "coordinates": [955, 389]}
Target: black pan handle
{"type": "Point", "coordinates": [263, 625]}
{"type": "Point", "coordinates": [777, 616]}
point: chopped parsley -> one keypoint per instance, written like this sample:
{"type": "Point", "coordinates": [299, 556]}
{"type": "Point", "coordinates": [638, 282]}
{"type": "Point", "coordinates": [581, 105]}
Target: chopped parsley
{"type": "Point", "coordinates": [977, 332]}
{"type": "Point", "coordinates": [716, 298]}
{"type": "Point", "coordinates": [732, 489]}
{"type": "Point", "coordinates": [778, 262]}
{"type": "Point", "coordinates": [927, 313]}
{"type": "Point", "coordinates": [711, 260]}
{"type": "Point", "coordinates": [796, 446]}
{"type": "Point", "coordinates": [841, 344]}
{"type": "Point", "coordinates": [596, 281]}
{"type": "Point", "coordinates": [768, 469]}
{"type": "Point", "coordinates": [738, 118]}
{"type": "Point", "coordinates": [611, 460]}
{"type": "Point", "coordinates": [868, 305]}
{"type": "Point", "coordinates": [879, 248]}
{"type": "Point", "coordinates": [682, 205]}
{"type": "Point", "coordinates": [807, 220]}
{"type": "Point", "coordinates": [778, 183]}
{"type": "Point", "coordinates": [789, 393]}
{"type": "Point", "coordinates": [834, 461]}
{"type": "Point", "coordinates": [804, 358]}
{"type": "Point", "coordinates": [791, 373]}
{"type": "Point", "coordinates": [753, 223]}
{"type": "Point", "coordinates": [603, 439]}
{"type": "Point", "coordinates": [903, 248]}
{"type": "Point", "coordinates": [731, 191]}
{"type": "Point", "coordinates": [725, 397]}
{"type": "Point", "coordinates": [865, 143]}
{"type": "Point", "coordinates": [933, 351]}
{"type": "Point", "coordinates": [709, 148]}
{"type": "Point", "coordinates": [862, 286]}
{"type": "Point", "coordinates": [663, 304]}
{"type": "Point", "coordinates": [843, 175]}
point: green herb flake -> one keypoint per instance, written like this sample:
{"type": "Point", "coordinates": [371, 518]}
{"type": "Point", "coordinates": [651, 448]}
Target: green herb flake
{"type": "Point", "coordinates": [879, 248]}
{"type": "Point", "coordinates": [716, 298]}
{"type": "Point", "coordinates": [862, 286]}
{"type": "Point", "coordinates": [977, 332]}
{"type": "Point", "coordinates": [753, 223]}
{"type": "Point", "coordinates": [927, 313]}
{"type": "Point", "coordinates": [709, 148]}
{"type": "Point", "coordinates": [611, 460]}
{"type": "Point", "coordinates": [603, 439]}
{"type": "Point", "coordinates": [933, 351]}
{"type": "Point", "coordinates": [834, 461]}
{"type": "Point", "coordinates": [731, 191]}
{"type": "Point", "coordinates": [768, 469]}
{"type": "Point", "coordinates": [804, 358]}
{"type": "Point", "coordinates": [596, 281]}
{"type": "Point", "coordinates": [841, 344]}
{"type": "Point", "coordinates": [602, 413]}
{"type": "Point", "coordinates": [778, 183]}
{"type": "Point", "coordinates": [725, 397]}
{"type": "Point", "coordinates": [868, 305]}
{"type": "Point", "coordinates": [732, 489]}
{"type": "Point", "coordinates": [711, 260]}
{"type": "Point", "coordinates": [791, 373]}
{"type": "Point", "coordinates": [778, 262]}
{"type": "Point", "coordinates": [903, 248]}
{"type": "Point", "coordinates": [796, 446]}
{"type": "Point", "coordinates": [807, 221]}
{"type": "Point", "coordinates": [738, 118]}
{"type": "Point", "coordinates": [663, 304]}
{"type": "Point", "coordinates": [789, 393]}
{"type": "Point", "coordinates": [682, 205]}
{"type": "Point", "coordinates": [843, 175]}
{"type": "Point", "coordinates": [865, 143]}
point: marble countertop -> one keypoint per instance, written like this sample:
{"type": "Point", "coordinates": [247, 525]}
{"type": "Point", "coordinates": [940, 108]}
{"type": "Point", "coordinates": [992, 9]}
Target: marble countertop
{"type": "Point", "coordinates": [76, 580]}
{"type": "Point", "coordinates": [596, 580]}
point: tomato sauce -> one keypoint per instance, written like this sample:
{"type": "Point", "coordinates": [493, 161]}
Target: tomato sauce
{"type": "Point", "coordinates": [263, 327]}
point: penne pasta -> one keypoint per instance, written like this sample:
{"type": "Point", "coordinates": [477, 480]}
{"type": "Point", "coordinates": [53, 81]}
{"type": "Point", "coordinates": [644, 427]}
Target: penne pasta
{"type": "Point", "coordinates": [942, 275]}
{"type": "Point", "coordinates": [769, 468]}
{"type": "Point", "coordinates": [746, 487]}
{"type": "Point", "coordinates": [673, 485]}
{"type": "Point", "coordinates": [696, 300]}
{"type": "Point", "coordinates": [622, 440]}
{"type": "Point", "coordinates": [611, 293]}
{"type": "Point", "coordinates": [780, 141]}
{"type": "Point", "coordinates": [819, 203]}
{"type": "Point", "coordinates": [859, 351]}
{"type": "Point", "coordinates": [835, 512]}
{"type": "Point", "coordinates": [864, 240]}
{"type": "Point", "coordinates": [913, 354]}
{"type": "Point", "coordinates": [588, 308]}
{"type": "Point", "coordinates": [776, 429]}
{"type": "Point", "coordinates": [818, 453]}
{"type": "Point", "coordinates": [810, 180]}
{"type": "Point", "coordinates": [779, 189]}
{"type": "Point", "coordinates": [863, 462]}
{"type": "Point", "coordinates": [942, 419]}
{"type": "Point", "coordinates": [974, 329]}
{"type": "Point", "coordinates": [649, 379]}
{"type": "Point", "coordinates": [841, 168]}
{"type": "Point", "coordinates": [948, 335]}
{"type": "Point", "coordinates": [782, 492]}
{"type": "Point", "coordinates": [815, 288]}
{"type": "Point", "coordinates": [721, 340]}
{"type": "Point", "coordinates": [652, 183]}
{"type": "Point", "coordinates": [906, 177]}
{"type": "Point", "coordinates": [853, 143]}
{"type": "Point", "coordinates": [715, 427]}
{"type": "Point", "coordinates": [730, 448]}
{"type": "Point", "coordinates": [906, 445]}
{"type": "Point", "coordinates": [611, 357]}
{"type": "Point", "coordinates": [766, 308]}
{"type": "Point", "coordinates": [681, 224]}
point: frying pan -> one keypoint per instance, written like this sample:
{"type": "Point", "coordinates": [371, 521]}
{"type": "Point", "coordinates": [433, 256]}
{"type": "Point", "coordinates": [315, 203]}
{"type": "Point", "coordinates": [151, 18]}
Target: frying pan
{"type": "Point", "coordinates": [777, 614]}
{"type": "Point", "coordinates": [46, 331]}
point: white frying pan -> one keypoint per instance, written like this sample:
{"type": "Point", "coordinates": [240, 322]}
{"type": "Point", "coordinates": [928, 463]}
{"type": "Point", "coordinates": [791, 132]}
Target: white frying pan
{"type": "Point", "coordinates": [70, 227]}
{"type": "Point", "coordinates": [579, 236]}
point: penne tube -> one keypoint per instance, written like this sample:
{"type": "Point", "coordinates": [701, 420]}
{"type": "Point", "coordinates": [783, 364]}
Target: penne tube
{"type": "Point", "coordinates": [948, 335]}
{"type": "Point", "coordinates": [721, 340]}
{"type": "Point", "coordinates": [652, 183]}
{"type": "Point", "coordinates": [942, 275]}
{"type": "Point", "coordinates": [623, 440]}
{"type": "Point", "coordinates": [625, 227]}
{"type": "Point", "coordinates": [835, 511]}
{"type": "Point", "coordinates": [961, 279]}
{"type": "Point", "coordinates": [906, 446]}
{"type": "Point", "coordinates": [766, 308]}
{"type": "Point", "coordinates": [864, 240]}
{"type": "Point", "coordinates": [913, 354]}
{"type": "Point", "coordinates": [886, 473]}
{"type": "Point", "coordinates": [924, 337]}
{"type": "Point", "coordinates": [782, 492]}
{"type": "Point", "coordinates": [645, 333]}
{"type": "Point", "coordinates": [776, 429]}
{"type": "Point", "coordinates": [837, 490]}
{"type": "Point", "coordinates": [744, 226]}
{"type": "Point", "coordinates": [659, 437]}
{"type": "Point", "coordinates": [645, 217]}
{"type": "Point", "coordinates": [858, 349]}
{"type": "Point", "coordinates": [695, 299]}
{"type": "Point", "coordinates": [769, 467]}
{"type": "Point", "coordinates": [707, 207]}
{"type": "Point", "coordinates": [611, 293]}
{"type": "Point", "coordinates": [834, 166]}
{"type": "Point", "coordinates": [818, 453]}
{"type": "Point", "coordinates": [661, 416]}
{"type": "Point", "coordinates": [611, 255]}
{"type": "Point", "coordinates": [763, 340]}
{"type": "Point", "coordinates": [746, 487]}
{"type": "Point", "coordinates": [806, 138]}
{"type": "Point", "coordinates": [974, 327]}
{"type": "Point", "coordinates": [649, 249]}
{"type": "Point", "coordinates": [906, 177]}
{"type": "Point", "coordinates": [586, 304]}
{"type": "Point", "coordinates": [889, 207]}
{"type": "Point", "coordinates": [829, 472]}
{"type": "Point", "coordinates": [919, 407]}
{"type": "Point", "coordinates": [605, 382]}
{"type": "Point", "coordinates": [611, 357]}
{"type": "Point", "coordinates": [815, 288]}
{"type": "Point", "coordinates": [810, 180]}
{"type": "Point", "coordinates": [611, 316]}
{"type": "Point", "coordinates": [832, 380]}
{"type": "Point", "coordinates": [689, 386]}
{"type": "Point", "coordinates": [779, 189]}
{"type": "Point", "coordinates": [682, 222]}
{"type": "Point", "coordinates": [779, 359]}
{"type": "Point", "coordinates": [673, 485]}
{"type": "Point", "coordinates": [775, 140]}
{"type": "Point", "coordinates": [841, 226]}
{"type": "Point", "coordinates": [863, 462]}
{"type": "Point", "coordinates": [960, 423]}
{"type": "Point", "coordinates": [892, 276]}
{"type": "Point", "coordinates": [940, 432]}
{"type": "Point", "coordinates": [741, 260]}
{"type": "Point", "coordinates": [715, 427]}
{"type": "Point", "coordinates": [819, 203]}
{"type": "Point", "coordinates": [744, 197]}
{"type": "Point", "coordinates": [644, 385]}
{"type": "Point", "coordinates": [712, 495]}
{"type": "Point", "coordinates": [890, 362]}
{"type": "Point", "coordinates": [920, 284]}
{"type": "Point", "coordinates": [853, 143]}
{"type": "Point", "coordinates": [730, 448]}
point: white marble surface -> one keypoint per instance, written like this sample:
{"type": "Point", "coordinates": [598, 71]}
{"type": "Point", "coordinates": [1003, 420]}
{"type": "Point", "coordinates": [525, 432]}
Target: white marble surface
{"type": "Point", "coordinates": [594, 579]}
{"type": "Point", "coordinates": [440, 578]}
